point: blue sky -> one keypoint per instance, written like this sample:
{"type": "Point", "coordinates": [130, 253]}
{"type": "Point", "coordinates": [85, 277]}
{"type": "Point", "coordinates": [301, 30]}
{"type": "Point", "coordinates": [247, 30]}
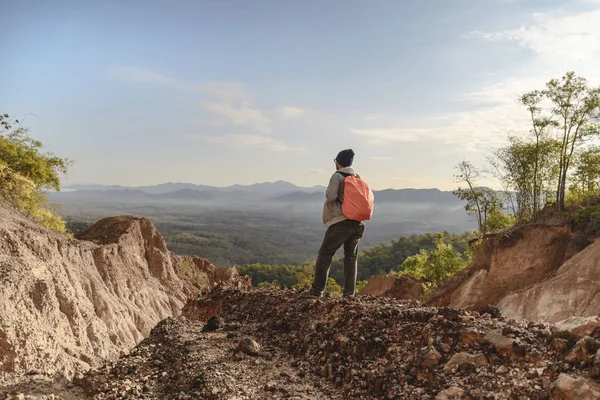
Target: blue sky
{"type": "Point", "coordinates": [243, 91]}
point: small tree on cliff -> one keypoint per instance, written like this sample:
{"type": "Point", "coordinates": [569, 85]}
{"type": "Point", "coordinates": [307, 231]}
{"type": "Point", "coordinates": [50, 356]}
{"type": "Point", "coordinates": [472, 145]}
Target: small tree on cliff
{"type": "Point", "coordinates": [483, 203]}
{"type": "Point", "coordinates": [26, 171]}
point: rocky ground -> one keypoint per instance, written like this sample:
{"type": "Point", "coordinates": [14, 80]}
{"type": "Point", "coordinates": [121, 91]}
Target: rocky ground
{"type": "Point", "coordinates": [277, 344]}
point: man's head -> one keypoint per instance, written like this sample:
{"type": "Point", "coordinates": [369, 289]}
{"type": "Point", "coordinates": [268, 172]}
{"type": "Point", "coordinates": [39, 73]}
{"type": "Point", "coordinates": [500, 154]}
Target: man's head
{"type": "Point", "coordinates": [344, 158]}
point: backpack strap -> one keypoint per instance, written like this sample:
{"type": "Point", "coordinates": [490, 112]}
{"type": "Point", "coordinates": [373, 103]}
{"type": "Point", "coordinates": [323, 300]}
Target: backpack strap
{"type": "Point", "coordinates": [345, 174]}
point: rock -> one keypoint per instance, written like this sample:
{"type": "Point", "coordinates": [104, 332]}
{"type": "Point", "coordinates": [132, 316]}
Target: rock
{"type": "Point", "coordinates": [493, 311]}
{"type": "Point", "coordinates": [471, 337]}
{"type": "Point", "coordinates": [578, 327]}
{"type": "Point", "coordinates": [429, 356]}
{"type": "Point", "coordinates": [76, 303]}
{"type": "Point", "coordinates": [583, 351]}
{"type": "Point", "coordinates": [453, 393]}
{"type": "Point", "coordinates": [248, 346]}
{"type": "Point", "coordinates": [501, 343]}
{"type": "Point", "coordinates": [231, 334]}
{"type": "Point", "coordinates": [461, 360]}
{"type": "Point", "coordinates": [502, 370]}
{"type": "Point", "coordinates": [574, 388]}
{"type": "Point", "coordinates": [213, 324]}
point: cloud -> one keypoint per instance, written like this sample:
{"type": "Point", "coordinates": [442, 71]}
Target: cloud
{"type": "Point", "coordinates": [290, 112]}
{"type": "Point", "coordinates": [240, 115]}
{"type": "Point", "coordinates": [381, 158]}
{"type": "Point", "coordinates": [228, 91]}
{"type": "Point", "coordinates": [382, 136]}
{"type": "Point", "coordinates": [556, 43]}
{"type": "Point", "coordinates": [244, 140]}
{"type": "Point", "coordinates": [135, 74]}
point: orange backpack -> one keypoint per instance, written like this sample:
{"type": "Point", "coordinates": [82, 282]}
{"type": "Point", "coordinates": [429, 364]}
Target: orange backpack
{"type": "Point", "coordinates": [358, 198]}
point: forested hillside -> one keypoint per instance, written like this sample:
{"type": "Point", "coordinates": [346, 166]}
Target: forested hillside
{"type": "Point", "coordinates": [378, 260]}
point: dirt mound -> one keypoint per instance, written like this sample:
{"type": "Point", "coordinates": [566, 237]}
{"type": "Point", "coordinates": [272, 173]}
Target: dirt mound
{"type": "Point", "coordinates": [505, 263]}
{"type": "Point", "coordinates": [71, 304]}
{"type": "Point", "coordinates": [375, 348]}
{"type": "Point", "coordinates": [401, 288]}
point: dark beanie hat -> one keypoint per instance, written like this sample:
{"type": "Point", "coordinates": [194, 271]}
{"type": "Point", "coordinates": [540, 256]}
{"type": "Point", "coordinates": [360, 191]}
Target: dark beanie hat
{"type": "Point", "coordinates": [345, 157]}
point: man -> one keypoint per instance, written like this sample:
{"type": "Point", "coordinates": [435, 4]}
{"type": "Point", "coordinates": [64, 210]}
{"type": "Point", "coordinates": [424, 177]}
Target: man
{"type": "Point", "coordinates": [340, 230]}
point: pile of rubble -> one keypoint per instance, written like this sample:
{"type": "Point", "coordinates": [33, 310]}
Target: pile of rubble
{"type": "Point", "coordinates": [279, 344]}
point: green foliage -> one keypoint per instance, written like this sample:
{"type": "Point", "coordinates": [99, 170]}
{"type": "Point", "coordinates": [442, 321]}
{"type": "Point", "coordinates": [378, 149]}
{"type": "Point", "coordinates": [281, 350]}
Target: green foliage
{"type": "Point", "coordinates": [528, 171]}
{"type": "Point", "coordinates": [585, 186]}
{"type": "Point", "coordinates": [285, 275]}
{"type": "Point", "coordinates": [77, 227]}
{"type": "Point", "coordinates": [360, 285]}
{"type": "Point", "coordinates": [435, 265]}
{"type": "Point", "coordinates": [266, 284]}
{"type": "Point", "coordinates": [587, 220]}
{"type": "Point", "coordinates": [25, 171]}
{"type": "Point", "coordinates": [379, 260]}
{"type": "Point", "coordinates": [188, 271]}
{"type": "Point", "coordinates": [571, 115]}
{"type": "Point", "coordinates": [498, 220]}
{"type": "Point", "coordinates": [382, 259]}
{"type": "Point", "coordinates": [333, 288]}
{"type": "Point", "coordinates": [483, 203]}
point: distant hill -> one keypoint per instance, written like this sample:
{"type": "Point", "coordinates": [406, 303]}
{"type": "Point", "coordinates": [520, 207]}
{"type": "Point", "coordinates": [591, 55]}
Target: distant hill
{"type": "Point", "coordinates": [418, 196]}
{"type": "Point", "coordinates": [267, 188]}
{"type": "Point", "coordinates": [259, 193]}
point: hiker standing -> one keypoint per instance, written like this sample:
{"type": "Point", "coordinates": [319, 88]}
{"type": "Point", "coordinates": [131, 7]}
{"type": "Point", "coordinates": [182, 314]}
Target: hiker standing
{"type": "Point", "coordinates": [349, 202]}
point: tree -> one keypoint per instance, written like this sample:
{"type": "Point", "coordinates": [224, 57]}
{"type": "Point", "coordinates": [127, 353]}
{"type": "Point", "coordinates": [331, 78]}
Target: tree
{"type": "Point", "coordinates": [574, 111]}
{"type": "Point", "coordinates": [435, 265]}
{"type": "Point", "coordinates": [469, 174]}
{"type": "Point", "coordinates": [528, 171]}
{"type": "Point", "coordinates": [534, 152]}
{"type": "Point", "coordinates": [481, 202]}
{"type": "Point", "coordinates": [587, 173]}
{"type": "Point", "coordinates": [25, 171]}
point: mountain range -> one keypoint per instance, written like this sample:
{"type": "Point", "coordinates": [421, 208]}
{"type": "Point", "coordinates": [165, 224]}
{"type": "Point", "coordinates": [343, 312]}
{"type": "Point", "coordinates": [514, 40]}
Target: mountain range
{"type": "Point", "coordinates": [277, 192]}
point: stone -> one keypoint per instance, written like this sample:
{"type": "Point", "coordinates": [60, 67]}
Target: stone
{"type": "Point", "coordinates": [453, 393]}
{"type": "Point", "coordinates": [578, 327]}
{"type": "Point", "coordinates": [567, 387]}
{"type": "Point", "coordinates": [502, 370]}
{"type": "Point", "coordinates": [583, 351]}
{"type": "Point", "coordinates": [429, 356]}
{"type": "Point", "coordinates": [501, 343]}
{"type": "Point", "coordinates": [249, 346]}
{"type": "Point", "coordinates": [213, 324]}
{"type": "Point", "coordinates": [460, 360]}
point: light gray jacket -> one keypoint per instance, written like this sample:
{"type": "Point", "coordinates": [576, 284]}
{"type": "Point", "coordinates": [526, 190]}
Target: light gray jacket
{"type": "Point", "coordinates": [334, 196]}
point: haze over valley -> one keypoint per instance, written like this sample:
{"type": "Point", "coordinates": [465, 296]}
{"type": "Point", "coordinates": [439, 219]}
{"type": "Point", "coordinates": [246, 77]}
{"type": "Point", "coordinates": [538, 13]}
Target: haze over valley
{"type": "Point", "coordinates": [277, 223]}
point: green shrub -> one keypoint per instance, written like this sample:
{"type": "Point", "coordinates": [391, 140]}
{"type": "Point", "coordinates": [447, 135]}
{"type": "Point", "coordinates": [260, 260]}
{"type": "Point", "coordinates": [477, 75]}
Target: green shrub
{"type": "Point", "coordinates": [25, 172]}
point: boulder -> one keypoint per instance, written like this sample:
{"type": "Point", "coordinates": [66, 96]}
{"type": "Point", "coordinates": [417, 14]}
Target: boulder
{"type": "Point", "coordinates": [567, 387]}
{"type": "Point", "coordinates": [578, 327]}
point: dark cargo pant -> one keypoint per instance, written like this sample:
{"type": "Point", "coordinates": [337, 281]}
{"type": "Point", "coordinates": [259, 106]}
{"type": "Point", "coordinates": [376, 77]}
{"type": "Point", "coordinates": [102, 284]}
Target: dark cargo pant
{"type": "Point", "coordinates": [348, 234]}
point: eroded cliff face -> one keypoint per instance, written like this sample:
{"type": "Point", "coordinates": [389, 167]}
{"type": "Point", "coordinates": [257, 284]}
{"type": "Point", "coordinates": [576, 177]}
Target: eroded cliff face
{"type": "Point", "coordinates": [506, 263]}
{"type": "Point", "coordinates": [537, 273]}
{"type": "Point", "coordinates": [574, 291]}
{"type": "Point", "coordinates": [69, 304]}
